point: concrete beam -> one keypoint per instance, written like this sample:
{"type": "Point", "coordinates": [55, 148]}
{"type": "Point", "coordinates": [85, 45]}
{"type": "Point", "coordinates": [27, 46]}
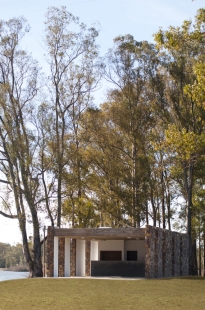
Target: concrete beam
{"type": "Point", "coordinates": [100, 233]}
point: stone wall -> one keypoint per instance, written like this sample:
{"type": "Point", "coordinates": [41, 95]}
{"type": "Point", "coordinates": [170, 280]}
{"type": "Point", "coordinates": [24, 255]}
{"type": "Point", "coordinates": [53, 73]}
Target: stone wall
{"type": "Point", "coordinates": [166, 253]}
{"type": "Point", "coordinates": [185, 255]}
{"type": "Point", "coordinates": [150, 245]}
{"type": "Point", "coordinates": [176, 254]}
{"type": "Point", "coordinates": [50, 251]}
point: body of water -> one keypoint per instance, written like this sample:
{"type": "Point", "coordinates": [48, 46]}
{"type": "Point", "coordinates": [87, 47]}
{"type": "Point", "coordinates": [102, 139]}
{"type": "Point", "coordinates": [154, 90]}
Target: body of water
{"type": "Point", "coordinates": [12, 275]}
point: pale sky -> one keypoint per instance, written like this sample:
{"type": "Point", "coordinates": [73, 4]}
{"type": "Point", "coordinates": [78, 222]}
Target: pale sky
{"type": "Point", "coordinates": [140, 18]}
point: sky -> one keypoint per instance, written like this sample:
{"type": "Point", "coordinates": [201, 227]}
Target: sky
{"type": "Point", "coordinates": [140, 18]}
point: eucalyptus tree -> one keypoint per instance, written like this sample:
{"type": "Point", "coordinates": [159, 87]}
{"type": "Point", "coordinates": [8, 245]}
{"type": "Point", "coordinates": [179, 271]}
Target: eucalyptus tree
{"type": "Point", "coordinates": [18, 142]}
{"type": "Point", "coordinates": [161, 190]}
{"type": "Point", "coordinates": [130, 68]}
{"type": "Point", "coordinates": [108, 170]}
{"type": "Point", "coordinates": [184, 47]}
{"type": "Point", "coordinates": [101, 174]}
{"type": "Point", "coordinates": [72, 52]}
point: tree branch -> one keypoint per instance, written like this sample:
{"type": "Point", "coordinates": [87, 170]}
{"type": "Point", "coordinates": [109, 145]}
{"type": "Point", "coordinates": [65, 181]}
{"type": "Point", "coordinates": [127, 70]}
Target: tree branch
{"type": "Point", "coordinates": [3, 181]}
{"type": "Point", "coordinates": [9, 216]}
{"type": "Point", "coordinates": [42, 241]}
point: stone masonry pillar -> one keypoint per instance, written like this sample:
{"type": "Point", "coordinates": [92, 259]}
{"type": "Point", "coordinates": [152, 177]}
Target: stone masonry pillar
{"type": "Point", "coordinates": [61, 257]}
{"type": "Point", "coordinates": [168, 254]}
{"type": "Point", "coordinates": [184, 255]}
{"type": "Point", "coordinates": [176, 255]}
{"type": "Point", "coordinates": [87, 257]}
{"type": "Point", "coordinates": [73, 258]}
{"type": "Point", "coordinates": [150, 245]}
{"type": "Point", "coordinates": [50, 251]}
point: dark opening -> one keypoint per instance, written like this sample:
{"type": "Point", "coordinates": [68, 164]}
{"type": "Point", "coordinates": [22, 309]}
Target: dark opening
{"type": "Point", "coordinates": [110, 255]}
{"type": "Point", "coordinates": [131, 255]}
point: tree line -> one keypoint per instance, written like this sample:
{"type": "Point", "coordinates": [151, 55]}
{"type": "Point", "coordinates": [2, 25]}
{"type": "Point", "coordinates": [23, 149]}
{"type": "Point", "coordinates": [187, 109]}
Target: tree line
{"type": "Point", "coordinates": [136, 159]}
{"type": "Point", "coordinates": [11, 255]}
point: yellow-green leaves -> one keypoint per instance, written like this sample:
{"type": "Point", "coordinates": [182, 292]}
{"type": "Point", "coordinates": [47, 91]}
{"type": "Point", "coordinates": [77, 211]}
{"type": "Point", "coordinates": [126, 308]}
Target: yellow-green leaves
{"type": "Point", "coordinates": [197, 90]}
{"type": "Point", "coordinates": [186, 145]}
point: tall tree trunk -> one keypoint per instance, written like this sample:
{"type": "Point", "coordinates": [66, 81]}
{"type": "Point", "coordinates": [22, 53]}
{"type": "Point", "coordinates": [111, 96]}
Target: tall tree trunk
{"type": "Point", "coordinates": [153, 209]}
{"type": "Point", "coordinates": [163, 201]}
{"type": "Point", "coordinates": [194, 267]}
{"type": "Point", "coordinates": [199, 253]}
{"type": "Point", "coordinates": [169, 211]}
{"type": "Point", "coordinates": [59, 193]}
{"type": "Point", "coordinates": [37, 260]}
{"type": "Point", "coordinates": [147, 214]}
{"type": "Point", "coordinates": [204, 253]}
{"type": "Point", "coordinates": [188, 180]}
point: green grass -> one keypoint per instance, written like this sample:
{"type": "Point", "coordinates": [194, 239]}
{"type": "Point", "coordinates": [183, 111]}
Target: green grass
{"type": "Point", "coordinates": [180, 293]}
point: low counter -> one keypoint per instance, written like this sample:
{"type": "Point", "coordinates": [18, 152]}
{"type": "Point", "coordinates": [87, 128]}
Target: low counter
{"type": "Point", "coordinates": [117, 269]}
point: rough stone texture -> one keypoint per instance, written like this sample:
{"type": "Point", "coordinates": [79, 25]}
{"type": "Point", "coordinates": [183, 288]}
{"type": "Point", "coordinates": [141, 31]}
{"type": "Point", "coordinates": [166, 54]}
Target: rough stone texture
{"type": "Point", "coordinates": [166, 253]}
{"type": "Point", "coordinates": [156, 253]}
{"type": "Point", "coordinates": [150, 258]}
{"type": "Point", "coordinates": [185, 255]}
{"type": "Point", "coordinates": [176, 255]}
{"type": "Point", "coordinates": [180, 240]}
{"type": "Point", "coordinates": [61, 258]}
{"type": "Point", "coordinates": [50, 251]}
{"type": "Point", "coordinates": [87, 257]}
{"type": "Point", "coordinates": [73, 258]}
{"type": "Point", "coordinates": [163, 253]}
{"type": "Point", "coordinates": [159, 256]}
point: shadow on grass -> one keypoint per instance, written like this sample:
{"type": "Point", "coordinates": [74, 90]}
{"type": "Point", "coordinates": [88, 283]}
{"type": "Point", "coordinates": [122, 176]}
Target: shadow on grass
{"type": "Point", "coordinates": [179, 278]}
{"type": "Point", "coordinates": [193, 278]}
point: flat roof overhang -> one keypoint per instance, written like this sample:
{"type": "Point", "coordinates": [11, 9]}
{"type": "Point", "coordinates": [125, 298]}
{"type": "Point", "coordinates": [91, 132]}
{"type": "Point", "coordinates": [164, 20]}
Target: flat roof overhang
{"type": "Point", "coordinates": [101, 233]}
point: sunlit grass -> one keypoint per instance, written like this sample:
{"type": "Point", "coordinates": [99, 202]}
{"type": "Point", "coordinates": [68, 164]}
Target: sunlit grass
{"type": "Point", "coordinates": [180, 293]}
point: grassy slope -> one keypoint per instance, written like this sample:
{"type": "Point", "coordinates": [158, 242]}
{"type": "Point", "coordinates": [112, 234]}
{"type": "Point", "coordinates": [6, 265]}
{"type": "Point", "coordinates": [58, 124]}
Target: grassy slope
{"type": "Point", "coordinates": [95, 294]}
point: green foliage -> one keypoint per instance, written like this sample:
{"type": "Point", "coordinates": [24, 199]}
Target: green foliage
{"type": "Point", "coordinates": [187, 145]}
{"type": "Point", "coordinates": [11, 255]}
{"type": "Point", "coordinates": [197, 91]}
{"type": "Point", "coordinates": [3, 250]}
{"type": "Point", "coordinates": [83, 211]}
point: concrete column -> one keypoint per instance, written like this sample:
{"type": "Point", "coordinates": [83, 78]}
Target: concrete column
{"type": "Point", "coordinates": [67, 257]}
{"type": "Point", "coordinates": [61, 257]}
{"type": "Point", "coordinates": [94, 250]}
{"type": "Point", "coordinates": [50, 251]}
{"type": "Point", "coordinates": [87, 257]}
{"type": "Point", "coordinates": [80, 258]}
{"type": "Point", "coordinates": [55, 257]}
{"type": "Point", "coordinates": [73, 258]}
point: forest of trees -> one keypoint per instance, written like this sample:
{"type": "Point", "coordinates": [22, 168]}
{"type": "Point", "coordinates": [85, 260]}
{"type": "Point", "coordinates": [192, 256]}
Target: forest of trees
{"type": "Point", "coordinates": [137, 159]}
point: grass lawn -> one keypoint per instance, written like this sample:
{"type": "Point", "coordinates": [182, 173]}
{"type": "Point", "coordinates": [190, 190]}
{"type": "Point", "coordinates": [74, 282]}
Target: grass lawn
{"type": "Point", "coordinates": [180, 293]}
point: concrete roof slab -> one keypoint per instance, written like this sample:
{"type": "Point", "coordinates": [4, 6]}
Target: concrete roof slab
{"type": "Point", "coordinates": [101, 233]}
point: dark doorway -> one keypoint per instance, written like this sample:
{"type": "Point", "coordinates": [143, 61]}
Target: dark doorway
{"type": "Point", "coordinates": [110, 255]}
